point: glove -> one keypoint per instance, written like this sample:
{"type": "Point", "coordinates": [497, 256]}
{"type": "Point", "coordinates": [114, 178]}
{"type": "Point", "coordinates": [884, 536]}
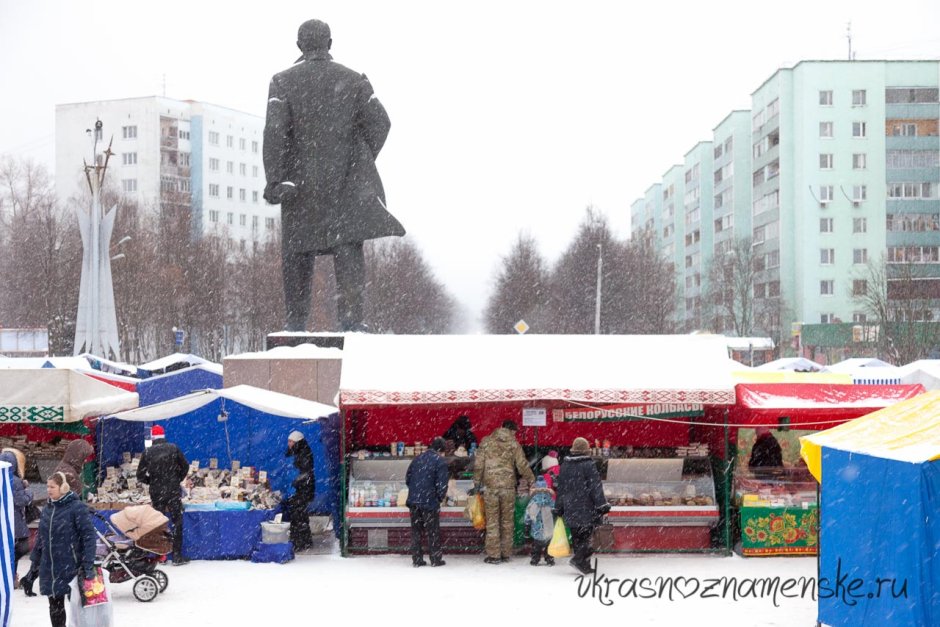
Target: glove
{"type": "Point", "coordinates": [476, 489]}
{"type": "Point", "coordinates": [276, 193]}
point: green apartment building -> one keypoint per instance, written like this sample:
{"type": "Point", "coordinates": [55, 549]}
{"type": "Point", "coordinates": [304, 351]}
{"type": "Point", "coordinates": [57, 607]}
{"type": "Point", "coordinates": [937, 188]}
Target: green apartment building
{"type": "Point", "coordinates": [837, 166]}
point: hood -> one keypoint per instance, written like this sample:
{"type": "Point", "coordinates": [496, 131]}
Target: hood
{"type": "Point", "coordinates": [20, 460]}
{"type": "Point", "coordinates": [10, 458]}
{"type": "Point", "coordinates": [76, 452]}
{"type": "Point", "coordinates": [504, 435]}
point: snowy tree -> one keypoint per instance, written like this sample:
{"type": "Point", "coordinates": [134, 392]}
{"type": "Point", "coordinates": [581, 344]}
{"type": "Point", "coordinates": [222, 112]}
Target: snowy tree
{"type": "Point", "coordinates": [521, 290]}
{"type": "Point", "coordinates": [729, 298]}
{"type": "Point", "coordinates": [647, 302]}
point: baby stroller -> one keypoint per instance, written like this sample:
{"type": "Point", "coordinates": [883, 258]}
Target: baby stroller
{"type": "Point", "coordinates": [137, 540]}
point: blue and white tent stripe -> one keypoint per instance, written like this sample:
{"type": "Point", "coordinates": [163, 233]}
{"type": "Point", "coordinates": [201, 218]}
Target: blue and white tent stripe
{"type": "Point", "coordinates": [877, 381]}
{"type": "Point", "coordinates": [6, 544]}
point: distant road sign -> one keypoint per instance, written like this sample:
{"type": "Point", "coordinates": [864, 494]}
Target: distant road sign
{"type": "Point", "coordinates": [521, 327]}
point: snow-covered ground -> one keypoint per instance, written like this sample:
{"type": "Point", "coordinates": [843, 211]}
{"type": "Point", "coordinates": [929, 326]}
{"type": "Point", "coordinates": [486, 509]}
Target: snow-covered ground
{"type": "Point", "coordinates": [388, 589]}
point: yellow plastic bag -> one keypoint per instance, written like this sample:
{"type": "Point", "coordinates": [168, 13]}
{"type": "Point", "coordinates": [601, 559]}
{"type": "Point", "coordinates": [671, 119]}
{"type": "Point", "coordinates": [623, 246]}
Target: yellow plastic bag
{"type": "Point", "coordinates": [475, 512]}
{"type": "Point", "coordinates": [559, 546]}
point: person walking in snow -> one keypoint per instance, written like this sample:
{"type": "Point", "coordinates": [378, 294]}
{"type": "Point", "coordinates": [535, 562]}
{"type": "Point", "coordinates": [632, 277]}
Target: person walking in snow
{"type": "Point", "coordinates": [580, 501]}
{"type": "Point", "coordinates": [540, 521]}
{"type": "Point", "coordinates": [427, 486]}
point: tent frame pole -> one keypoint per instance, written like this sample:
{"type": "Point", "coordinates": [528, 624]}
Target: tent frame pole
{"type": "Point", "coordinates": [344, 536]}
{"type": "Point", "coordinates": [726, 479]}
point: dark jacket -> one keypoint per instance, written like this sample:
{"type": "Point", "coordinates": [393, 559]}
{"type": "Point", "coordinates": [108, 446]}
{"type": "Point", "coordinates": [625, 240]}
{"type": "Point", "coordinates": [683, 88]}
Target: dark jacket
{"type": "Point", "coordinates": [163, 467]}
{"type": "Point", "coordinates": [766, 452]}
{"type": "Point", "coordinates": [427, 481]}
{"type": "Point", "coordinates": [305, 482]}
{"type": "Point", "coordinates": [323, 131]}
{"type": "Point", "coordinates": [72, 462]}
{"type": "Point", "coordinates": [65, 545]}
{"type": "Point", "coordinates": [580, 498]}
{"type": "Point", "coordinates": [22, 496]}
{"type": "Point", "coordinates": [461, 434]}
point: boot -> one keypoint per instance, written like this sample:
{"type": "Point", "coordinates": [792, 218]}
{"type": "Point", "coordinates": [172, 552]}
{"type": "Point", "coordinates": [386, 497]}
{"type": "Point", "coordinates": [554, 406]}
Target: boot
{"type": "Point", "coordinates": [549, 560]}
{"type": "Point", "coordinates": [27, 584]}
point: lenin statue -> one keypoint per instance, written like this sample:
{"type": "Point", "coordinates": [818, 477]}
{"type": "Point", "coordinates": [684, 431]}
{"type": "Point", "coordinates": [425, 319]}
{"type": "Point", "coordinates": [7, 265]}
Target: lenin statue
{"type": "Point", "coordinates": [323, 132]}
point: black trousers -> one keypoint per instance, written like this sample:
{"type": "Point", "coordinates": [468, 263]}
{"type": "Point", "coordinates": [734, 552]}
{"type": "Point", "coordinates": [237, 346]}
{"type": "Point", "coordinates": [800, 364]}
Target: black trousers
{"type": "Point", "coordinates": [429, 522]}
{"type": "Point", "coordinates": [350, 268]}
{"type": "Point", "coordinates": [581, 543]}
{"type": "Point", "coordinates": [20, 548]}
{"type": "Point", "coordinates": [174, 511]}
{"type": "Point", "coordinates": [540, 550]}
{"type": "Point", "coordinates": [300, 535]}
{"type": "Point", "coordinates": [57, 611]}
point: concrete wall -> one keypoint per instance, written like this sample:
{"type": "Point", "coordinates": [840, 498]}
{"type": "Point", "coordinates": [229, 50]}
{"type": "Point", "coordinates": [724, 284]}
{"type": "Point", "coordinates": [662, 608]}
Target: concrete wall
{"type": "Point", "coordinates": [311, 379]}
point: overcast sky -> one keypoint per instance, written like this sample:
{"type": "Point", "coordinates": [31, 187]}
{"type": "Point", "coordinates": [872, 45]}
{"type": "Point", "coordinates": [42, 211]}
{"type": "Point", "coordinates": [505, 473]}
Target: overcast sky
{"type": "Point", "coordinates": [507, 116]}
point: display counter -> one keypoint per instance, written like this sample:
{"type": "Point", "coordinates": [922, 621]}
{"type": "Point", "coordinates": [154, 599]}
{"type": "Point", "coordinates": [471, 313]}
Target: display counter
{"type": "Point", "coordinates": [658, 504]}
{"type": "Point", "coordinates": [378, 521]}
{"type": "Point", "coordinates": [779, 512]}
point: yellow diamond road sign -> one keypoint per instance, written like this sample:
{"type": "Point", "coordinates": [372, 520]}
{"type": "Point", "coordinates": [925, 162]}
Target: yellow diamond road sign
{"type": "Point", "coordinates": [521, 327]}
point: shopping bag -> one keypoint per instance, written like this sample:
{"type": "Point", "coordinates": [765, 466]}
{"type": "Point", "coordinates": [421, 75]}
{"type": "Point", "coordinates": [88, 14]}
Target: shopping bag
{"type": "Point", "coordinates": [559, 546]}
{"type": "Point", "coordinates": [475, 512]}
{"type": "Point", "coordinates": [93, 590]}
{"type": "Point", "coordinates": [100, 615]}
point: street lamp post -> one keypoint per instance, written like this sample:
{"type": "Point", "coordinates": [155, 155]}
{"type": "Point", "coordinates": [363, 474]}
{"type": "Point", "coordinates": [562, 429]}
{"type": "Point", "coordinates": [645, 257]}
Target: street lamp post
{"type": "Point", "coordinates": [597, 297]}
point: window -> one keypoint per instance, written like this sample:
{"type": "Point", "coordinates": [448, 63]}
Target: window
{"type": "Point", "coordinates": [230, 218]}
{"type": "Point", "coordinates": [254, 223]}
{"type": "Point", "coordinates": [825, 98]}
{"type": "Point", "coordinates": [213, 215]}
{"type": "Point", "coordinates": [254, 171]}
{"type": "Point", "coordinates": [242, 220]}
{"type": "Point", "coordinates": [859, 287]}
{"type": "Point", "coordinates": [827, 287]}
{"type": "Point", "coordinates": [230, 192]}
{"type": "Point", "coordinates": [167, 184]}
{"type": "Point", "coordinates": [724, 223]}
{"type": "Point", "coordinates": [129, 158]}
{"type": "Point", "coordinates": [760, 290]}
{"type": "Point", "coordinates": [668, 230]}
{"type": "Point", "coordinates": [773, 259]}
{"type": "Point", "coordinates": [860, 225]}
{"type": "Point", "coordinates": [860, 256]}
{"type": "Point", "coordinates": [773, 289]}
{"type": "Point", "coordinates": [827, 318]}
{"type": "Point", "coordinates": [213, 138]}
{"type": "Point", "coordinates": [904, 130]}
{"type": "Point", "coordinates": [859, 317]}
{"type": "Point", "coordinates": [913, 222]}
{"type": "Point", "coordinates": [129, 132]}
{"type": "Point", "coordinates": [825, 225]}
{"type": "Point", "coordinates": [907, 95]}
{"type": "Point", "coordinates": [213, 190]}
{"type": "Point", "coordinates": [185, 185]}
{"type": "Point", "coordinates": [859, 98]}
{"type": "Point", "coordinates": [912, 158]}
{"type": "Point", "coordinates": [773, 108]}
{"type": "Point", "coordinates": [859, 129]}
{"type": "Point", "coordinates": [825, 193]}
{"type": "Point", "coordinates": [229, 141]}
{"type": "Point", "coordinates": [767, 202]}
{"type": "Point", "coordinates": [213, 165]}
{"type": "Point", "coordinates": [184, 159]}
{"type": "Point", "coordinates": [859, 161]}
{"type": "Point", "coordinates": [243, 169]}
{"type": "Point", "coordinates": [129, 185]}
{"type": "Point", "coordinates": [184, 134]}
{"type": "Point", "coordinates": [768, 231]}
{"type": "Point", "coordinates": [827, 256]}
{"type": "Point", "coordinates": [254, 196]}
{"type": "Point", "coordinates": [911, 190]}
{"type": "Point", "coordinates": [913, 254]}
{"type": "Point", "coordinates": [242, 196]}
{"type": "Point", "coordinates": [718, 151]}
{"type": "Point", "coordinates": [825, 129]}
{"type": "Point", "coordinates": [269, 223]}
{"type": "Point", "coordinates": [254, 146]}
{"type": "Point", "coordinates": [230, 167]}
{"type": "Point", "coordinates": [241, 143]}
{"type": "Point", "coordinates": [825, 161]}
{"type": "Point", "coordinates": [859, 193]}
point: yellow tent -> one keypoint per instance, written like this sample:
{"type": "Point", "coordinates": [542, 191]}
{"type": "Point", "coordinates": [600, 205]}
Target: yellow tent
{"type": "Point", "coordinates": [907, 431]}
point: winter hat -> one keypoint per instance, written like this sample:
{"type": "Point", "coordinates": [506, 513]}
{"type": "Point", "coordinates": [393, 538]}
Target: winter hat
{"type": "Point", "coordinates": [156, 432]}
{"type": "Point", "coordinates": [511, 425]}
{"type": "Point", "coordinates": [550, 460]}
{"type": "Point", "coordinates": [580, 446]}
{"type": "Point", "coordinates": [295, 436]}
{"type": "Point", "coordinates": [438, 444]}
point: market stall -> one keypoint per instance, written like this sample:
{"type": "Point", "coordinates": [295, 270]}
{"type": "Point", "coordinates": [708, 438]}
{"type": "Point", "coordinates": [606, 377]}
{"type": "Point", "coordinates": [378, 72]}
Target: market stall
{"type": "Point", "coordinates": [880, 485]}
{"type": "Point", "coordinates": [632, 396]}
{"type": "Point", "coordinates": [236, 439]}
{"type": "Point", "coordinates": [777, 508]}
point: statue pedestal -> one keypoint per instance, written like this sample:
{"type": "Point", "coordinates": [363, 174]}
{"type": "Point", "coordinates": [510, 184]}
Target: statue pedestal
{"type": "Point", "coordinates": [296, 338]}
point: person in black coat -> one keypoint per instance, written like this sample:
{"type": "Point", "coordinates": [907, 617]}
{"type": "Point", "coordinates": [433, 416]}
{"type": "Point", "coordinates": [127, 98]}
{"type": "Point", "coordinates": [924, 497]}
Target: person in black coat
{"type": "Point", "coordinates": [580, 501]}
{"type": "Point", "coordinates": [164, 467]}
{"type": "Point", "coordinates": [65, 546]}
{"type": "Point", "coordinates": [427, 486]}
{"type": "Point", "coordinates": [460, 432]}
{"type": "Point", "coordinates": [766, 452]}
{"type": "Point", "coordinates": [304, 491]}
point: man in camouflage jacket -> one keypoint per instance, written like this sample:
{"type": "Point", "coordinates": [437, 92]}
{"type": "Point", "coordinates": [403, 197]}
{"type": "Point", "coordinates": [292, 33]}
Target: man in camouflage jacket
{"type": "Point", "coordinates": [498, 459]}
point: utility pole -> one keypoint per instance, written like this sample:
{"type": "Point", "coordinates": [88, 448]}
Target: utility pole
{"type": "Point", "coordinates": [848, 35]}
{"type": "Point", "coordinates": [597, 297]}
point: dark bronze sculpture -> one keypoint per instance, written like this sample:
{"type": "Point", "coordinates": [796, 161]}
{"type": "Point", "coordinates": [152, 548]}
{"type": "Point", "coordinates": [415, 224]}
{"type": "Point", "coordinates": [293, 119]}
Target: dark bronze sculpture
{"type": "Point", "coordinates": [324, 129]}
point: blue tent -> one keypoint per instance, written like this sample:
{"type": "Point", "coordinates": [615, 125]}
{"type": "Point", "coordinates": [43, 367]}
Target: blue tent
{"type": "Point", "coordinates": [6, 544]}
{"type": "Point", "coordinates": [241, 423]}
{"type": "Point", "coordinates": [879, 551]}
{"type": "Point", "coordinates": [178, 383]}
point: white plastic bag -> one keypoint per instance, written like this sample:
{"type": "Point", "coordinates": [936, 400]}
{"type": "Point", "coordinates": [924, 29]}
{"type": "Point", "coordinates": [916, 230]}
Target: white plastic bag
{"type": "Point", "coordinates": [101, 615]}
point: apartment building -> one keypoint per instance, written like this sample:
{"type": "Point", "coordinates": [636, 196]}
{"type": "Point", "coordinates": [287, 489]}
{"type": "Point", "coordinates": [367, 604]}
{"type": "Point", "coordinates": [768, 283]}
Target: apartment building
{"type": "Point", "coordinates": [201, 157]}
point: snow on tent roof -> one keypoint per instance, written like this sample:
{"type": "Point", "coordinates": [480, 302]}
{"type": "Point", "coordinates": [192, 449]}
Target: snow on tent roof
{"type": "Point", "coordinates": [266, 401]}
{"type": "Point", "coordinates": [855, 363]}
{"type": "Point", "coordinates": [799, 364]}
{"type": "Point", "coordinates": [171, 360]}
{"type": "Point", "coordinates": [57, 395]}
{"type": "Point", "coordinates": [429, 369]}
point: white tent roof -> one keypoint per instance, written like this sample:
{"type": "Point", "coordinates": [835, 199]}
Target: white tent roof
{"type": "Point", "coordinates": [269, 402]}
{"type": "Point", "coordinates": [750, 343]}
{"type": "Point", "coordinates": [856, 363]}
{"type": "Point", "coordinates": [792, 363]}
{"type": "Point", "coordinates": [923, 371]}
{"type": "Point", "coordinates": [169, 360]}
{"type": "Point", "coordinates": [426, 369]}
{"type": "Point", "coordinates": [56, 395]}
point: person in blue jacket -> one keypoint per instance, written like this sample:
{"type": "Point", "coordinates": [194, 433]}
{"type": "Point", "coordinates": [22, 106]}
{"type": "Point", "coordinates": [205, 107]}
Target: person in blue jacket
{"type": "Point", "coordinates": [65, 545]}
{"type": "Point", "coordinates": [427, 486]}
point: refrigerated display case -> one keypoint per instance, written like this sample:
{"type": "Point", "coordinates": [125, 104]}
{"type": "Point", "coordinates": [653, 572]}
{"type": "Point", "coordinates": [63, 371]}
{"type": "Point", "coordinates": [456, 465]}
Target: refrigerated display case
{"type": "Point", "coordinates": [779, 513]}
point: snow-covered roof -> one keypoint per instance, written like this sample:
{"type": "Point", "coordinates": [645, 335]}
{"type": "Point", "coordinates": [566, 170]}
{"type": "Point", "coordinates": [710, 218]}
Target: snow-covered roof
{"type": "Point", "coordinates": [301, 351]}
{"type": "Point", "coordinates": [750, 343]}
{"type": "Point", "coordinates": [429, 369]}
{"type": "Point", "coordinates": [57, 395]}
{"type": "Point", "coordinates": [266, 401]}
{"type": "Point", "coordinates": [800, 364]}
{"type": "Point", "coordinates": [170, 360]}
{"type": "Point", "coordinates": [855, 363]}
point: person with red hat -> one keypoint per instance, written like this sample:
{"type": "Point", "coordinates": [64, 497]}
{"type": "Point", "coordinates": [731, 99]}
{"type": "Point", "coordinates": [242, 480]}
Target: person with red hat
{"type": "Point", "coordinates": [164, 467]}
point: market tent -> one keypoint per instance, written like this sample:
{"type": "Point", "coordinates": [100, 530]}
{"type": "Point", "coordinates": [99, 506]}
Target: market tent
{"type": "Point", "coordinates": [176, 361]}
{"type": "Point", "coordinates": [923, 371]}
{"type": "Point", "coordinates": [241, 423]}
{"type": "Point", "coordinates": [51, 395]}
{"type": "Point", "coordinates": [799, 364]}
{"type": "Point", "coordinates": [6, 544]}
{"type": "Point", "coordinates": [855, 363]}
{"type": "Point", "coordinates": [176, 383]}
{"type": "Point", "coordinates": [880, 486]}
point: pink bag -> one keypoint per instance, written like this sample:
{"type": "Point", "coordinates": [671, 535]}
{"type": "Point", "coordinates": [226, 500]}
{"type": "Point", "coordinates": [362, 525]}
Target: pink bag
{"type": "Point", "coordinates": [93, 590]}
